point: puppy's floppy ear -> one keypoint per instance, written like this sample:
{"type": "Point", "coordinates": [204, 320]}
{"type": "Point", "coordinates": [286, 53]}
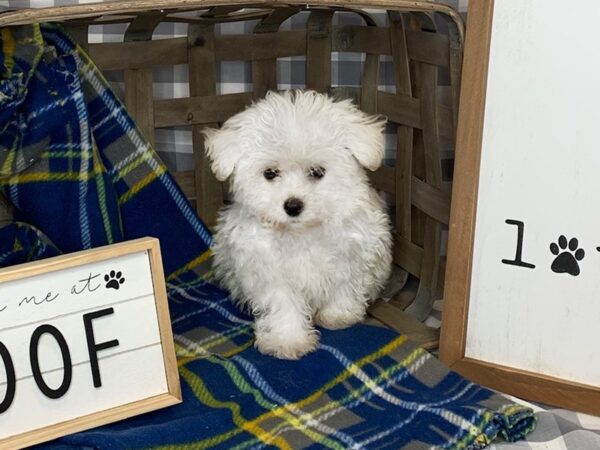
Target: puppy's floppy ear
{"type": "Point", "coordinates": [223, 149]}
{"type": "Point", "coordinates": [364, 136]}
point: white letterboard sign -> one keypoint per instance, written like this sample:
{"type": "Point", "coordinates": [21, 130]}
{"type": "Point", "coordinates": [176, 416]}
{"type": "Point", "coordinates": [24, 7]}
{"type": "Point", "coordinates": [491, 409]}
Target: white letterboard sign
{"type": "Point", "coordinates": [85, 339]}
{"type": "Point", "coordinates": [522, 298]}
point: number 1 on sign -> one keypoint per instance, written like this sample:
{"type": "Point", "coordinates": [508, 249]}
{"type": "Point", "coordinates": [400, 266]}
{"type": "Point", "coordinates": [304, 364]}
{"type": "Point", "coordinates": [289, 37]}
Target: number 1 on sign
{"type": "Point", "coordinates": [518, 261]}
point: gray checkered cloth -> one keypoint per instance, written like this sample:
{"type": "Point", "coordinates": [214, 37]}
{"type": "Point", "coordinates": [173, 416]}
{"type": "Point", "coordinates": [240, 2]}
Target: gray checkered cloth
{"type": "Point", "coordinates": [557, 428]}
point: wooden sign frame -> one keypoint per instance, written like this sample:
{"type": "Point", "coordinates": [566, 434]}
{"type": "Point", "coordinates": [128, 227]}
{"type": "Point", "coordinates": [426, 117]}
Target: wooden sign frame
{"type": "Point", "coordinates": [521, 383]}
{"type": "Point", "coordinates": [172, 397]}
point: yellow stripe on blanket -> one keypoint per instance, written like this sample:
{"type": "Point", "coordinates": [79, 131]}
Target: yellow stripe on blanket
{"type": "Point", "coordinates": [253, 426]}
{"type": "Point", "coordinates": [356, 393]}
{"type": "Point", "coordinates": [347, 373]}
{"type": "Point", "coordinates": [8, 162]}
{"type": "Point", "coordinates": [8, 49]}
{"type": "Point", "coordinates": [137, 187]}
{"type": "Point", "coordinates": [134, 164]}
{"type": "Point", "coordinates": [189, 266]}
{"type": "Point", "coordinates": [289, 416]}
{"type": "Point", "coordinates": [203, 394]}
{"type": "Point", "coordinates": [42, 177]}
{"type": "Point", "coordinates": [184, 357]}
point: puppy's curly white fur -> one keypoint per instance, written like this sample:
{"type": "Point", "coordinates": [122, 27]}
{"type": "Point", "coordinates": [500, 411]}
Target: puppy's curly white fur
{"type": "Point", "coordinates": [307, 240]}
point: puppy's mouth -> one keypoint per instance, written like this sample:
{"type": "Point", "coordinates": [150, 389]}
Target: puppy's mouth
{"type": "Point", "coordinates": [308, 223]}
{"type": "Point", "coordinates": [290, 223]}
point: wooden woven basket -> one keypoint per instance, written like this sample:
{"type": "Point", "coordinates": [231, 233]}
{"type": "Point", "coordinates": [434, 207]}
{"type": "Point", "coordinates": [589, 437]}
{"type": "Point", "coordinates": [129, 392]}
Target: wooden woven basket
{"type": "Point", "coordinates": [424, 110]}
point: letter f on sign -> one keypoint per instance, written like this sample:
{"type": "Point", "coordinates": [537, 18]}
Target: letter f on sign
{"type": "Point", "coordinates": [93, 347]}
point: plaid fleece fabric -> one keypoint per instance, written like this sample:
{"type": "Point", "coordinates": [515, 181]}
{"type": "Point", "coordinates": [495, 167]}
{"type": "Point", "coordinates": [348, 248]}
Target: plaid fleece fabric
{"type": "Point", "coordinates": [78, 174]}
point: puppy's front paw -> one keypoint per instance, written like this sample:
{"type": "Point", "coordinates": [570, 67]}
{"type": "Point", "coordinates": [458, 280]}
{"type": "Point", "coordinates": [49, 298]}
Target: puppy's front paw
{"type": "Point", "coordinates": [288, 345]}
{"type": "Point", "coordinates": [334, 318]}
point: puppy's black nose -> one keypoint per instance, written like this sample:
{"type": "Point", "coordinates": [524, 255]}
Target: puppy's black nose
{"type": "Point", "coordinates": [293, 206]}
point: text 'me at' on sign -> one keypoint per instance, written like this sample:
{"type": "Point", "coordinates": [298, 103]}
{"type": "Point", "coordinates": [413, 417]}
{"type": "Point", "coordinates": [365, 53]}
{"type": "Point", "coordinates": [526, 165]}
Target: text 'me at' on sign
{"type": "Point", "coordinates": [85, 339]}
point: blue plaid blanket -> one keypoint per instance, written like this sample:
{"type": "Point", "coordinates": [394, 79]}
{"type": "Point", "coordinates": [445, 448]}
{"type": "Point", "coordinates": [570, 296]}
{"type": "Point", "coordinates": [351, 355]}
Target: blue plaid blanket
{"type": "Point", "coordinates": [76, 173]}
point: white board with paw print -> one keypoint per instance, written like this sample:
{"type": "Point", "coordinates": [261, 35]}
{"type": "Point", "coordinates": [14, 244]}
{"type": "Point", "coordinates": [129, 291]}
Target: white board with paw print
{"type": "Point", "coordinates": [522, 309]}
{"type": "Point", "coordinates": [85, 339]}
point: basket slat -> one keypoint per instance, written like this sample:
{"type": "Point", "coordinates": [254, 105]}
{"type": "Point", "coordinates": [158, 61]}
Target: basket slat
{"type": "Point", "coordinates": [423, 47]}
{"type": "Point", "coordinates": [427, 92]}
{"type": "Point", "coordinates": [199, 110]}
{"type": "Point", "coordinates": [400, 108]}
{"type": "Point", "coordinates": [318, 50]}
{"type": "Point", "coordinates": [186, 179]}
{"type": "Point", "coordinates": [139, 55]}
{"type": "Point", "coordinates": [409, 253]}
{"type": "Point", "coordinates": [138, 82]}
{"type": "Point", "coordinates": [370, 84]}
{"type": "Point", "coordinates": [404, 134]}
{"type": "Point", "coordinates": [432, 201]}
{"type": "Point", "coordinates": [264, 71]}
{"type": "Point", "coordinates": [202, 68]}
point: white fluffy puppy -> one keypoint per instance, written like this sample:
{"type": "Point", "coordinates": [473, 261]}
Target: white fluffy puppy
{"type": "Point", "coordinates": [306, 240]}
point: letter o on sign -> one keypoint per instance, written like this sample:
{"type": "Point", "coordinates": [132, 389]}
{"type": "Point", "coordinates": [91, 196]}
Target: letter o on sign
{"type": "Point", "coordinates": [35, 363]}
{"type": "Point", "coordinates": [11, 379]}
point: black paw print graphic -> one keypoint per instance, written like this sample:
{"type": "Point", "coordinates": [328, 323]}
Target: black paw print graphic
{"type": "Point", "coordinates": [567, 259]}
{"type": "Point", "coordinates": [114, 280]}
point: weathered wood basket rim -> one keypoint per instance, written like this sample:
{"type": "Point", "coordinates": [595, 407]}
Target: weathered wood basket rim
{"type": "Point", "coordinates": [60, 13]}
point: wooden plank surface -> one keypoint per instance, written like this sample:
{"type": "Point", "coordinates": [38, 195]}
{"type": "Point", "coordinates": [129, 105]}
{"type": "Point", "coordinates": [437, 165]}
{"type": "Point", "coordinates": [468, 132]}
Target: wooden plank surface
{"type": "Point", "coordinates": [383, 179]}
{"type": "Point", "coordinates": [199, 110]}
{"type": "Point", "coordinates": [407, 255]}
{"type": "Point", "coordinates": [532, 386]}
{"type": "Point", "coordinates": [400, 108]}
{"type": "Point", "coordinates": [139, 92]}
{"type": "Point", "coordinates": [139, 55]}
{"type": "Point", "coordinates": [425, 47]}
{"type": "Point", "coordinates": [267, 45]}
{"type": "Point", "coordinates": [464, 190]}
{"type": "Point", "coordinates": [264, 70]}
{"type": "Point", "coordinates": [203, 82]}
{"type": "Point", "coordinates": [431, 200]}
{"type": "Point", "coordinates": [404, 134]}
{"type": "Point", "coordinates": [427, 92]}
{"type": "Point", "coordinates": [405, 323]}
{"type": "Point", "coordinates": [186, 179]}
{"type": "Point", "coordinates": [318, 50]}
{"type": "Point", "coordinates": [139, 100]}
{"type": "Point", "coordinates": [370, 83]}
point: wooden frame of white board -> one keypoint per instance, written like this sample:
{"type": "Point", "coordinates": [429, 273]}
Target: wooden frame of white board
{"type": "Point", "coordinates": [172, 397]}
{"type": "Point", "coordinates": [522, 383]}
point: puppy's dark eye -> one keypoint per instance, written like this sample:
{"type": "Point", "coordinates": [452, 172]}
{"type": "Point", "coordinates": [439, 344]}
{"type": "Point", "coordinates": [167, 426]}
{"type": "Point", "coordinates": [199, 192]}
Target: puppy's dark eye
{"type": "Point", "coordinates": [271, 174]}
{"type": "Point", "coordinates": [317, 172]}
